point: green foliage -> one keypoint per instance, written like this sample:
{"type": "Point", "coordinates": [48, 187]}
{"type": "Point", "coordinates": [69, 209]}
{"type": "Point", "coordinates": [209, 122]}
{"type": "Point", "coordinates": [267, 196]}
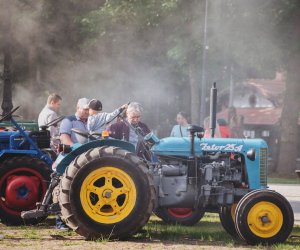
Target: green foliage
{"type": "Point", "coordinates": [165, 36]}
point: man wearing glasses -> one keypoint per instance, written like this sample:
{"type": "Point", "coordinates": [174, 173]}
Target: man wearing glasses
{"type": "Point", "coordinates": [132, 128]}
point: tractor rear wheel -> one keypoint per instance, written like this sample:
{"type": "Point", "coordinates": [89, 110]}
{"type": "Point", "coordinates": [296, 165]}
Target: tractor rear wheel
{"type": "Point", "coordinates": [226, 215]}
{"type": "Point", "coordinates": [23, 183]}
{"type": "Point", "coordinates": [180, 216]}
{"type": "Point", "coordinates": [264, 217]}
{"type": "Point", "coordinates": [106, 192]}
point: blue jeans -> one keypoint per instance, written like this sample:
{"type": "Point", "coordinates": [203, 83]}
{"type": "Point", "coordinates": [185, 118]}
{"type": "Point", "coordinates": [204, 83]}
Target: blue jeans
{"type": "Point", "coordinates": [59, 223]}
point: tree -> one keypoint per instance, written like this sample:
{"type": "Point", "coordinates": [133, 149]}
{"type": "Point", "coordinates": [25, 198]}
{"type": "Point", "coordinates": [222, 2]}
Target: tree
{"type": "Point", "coordinates": [174, 25]}
{"type": "Point", "coordinates": [264, 37]}
{"type": "Point", "coordinates": [288, 30]}
{"type": "Point", "coordinates": [7, 61]}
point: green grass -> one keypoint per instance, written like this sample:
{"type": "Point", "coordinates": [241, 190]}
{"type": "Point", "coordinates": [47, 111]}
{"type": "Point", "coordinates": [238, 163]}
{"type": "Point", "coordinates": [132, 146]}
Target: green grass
{"type": "Point", "coordinates": [280, 180]}
{"type": "Point", "coordinates": [208, 229]}
{"type": "Point", "coordinates": [208, 232]}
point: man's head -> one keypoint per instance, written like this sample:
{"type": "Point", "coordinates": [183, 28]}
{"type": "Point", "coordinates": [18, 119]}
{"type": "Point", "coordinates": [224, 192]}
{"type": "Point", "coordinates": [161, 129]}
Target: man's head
{"type": "Point", "coordinates": [134, 113]}
{"type": "Point", "coordinates": [95, 106]}
{"type": "Point", "coordinates": [181, 119]}
{"type": "Point", "coordinates": [54, 101]}
{"type": "Point", "coordinates": [82, 110]}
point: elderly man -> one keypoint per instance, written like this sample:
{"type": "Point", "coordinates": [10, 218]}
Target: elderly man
{"type": "Point", "coordinates": [79, 121]}
{"type": "Point", "coordinates": [122, 131]}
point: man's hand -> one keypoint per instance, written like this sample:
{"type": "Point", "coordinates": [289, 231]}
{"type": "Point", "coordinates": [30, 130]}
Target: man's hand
{"type": "Point", "coordinates": [123, 107]}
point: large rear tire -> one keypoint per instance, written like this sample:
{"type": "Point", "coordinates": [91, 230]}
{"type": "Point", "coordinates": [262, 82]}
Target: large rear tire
{"type": "Point", "coordinates": [106, 192]}
{"type": "Point", "coordinates": [264, 217]}
{"type": "Point", "coordinates": [23, 183]}
{"type": "Point", "coordinates": [180, 216]}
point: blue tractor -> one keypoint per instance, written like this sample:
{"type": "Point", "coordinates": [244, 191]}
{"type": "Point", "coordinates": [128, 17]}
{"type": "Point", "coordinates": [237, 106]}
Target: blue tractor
{"type": "Point", "coordinates": [25, 168]}
{"type": "Point", "coordinates": [105, 190]}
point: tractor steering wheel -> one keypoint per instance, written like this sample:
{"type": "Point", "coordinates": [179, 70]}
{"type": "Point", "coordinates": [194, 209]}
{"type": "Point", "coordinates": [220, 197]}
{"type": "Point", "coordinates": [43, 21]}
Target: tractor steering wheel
{"type": "Point", "coordinates": [9, 114]}
{"type": "Point", "coordinates": [83, 133]}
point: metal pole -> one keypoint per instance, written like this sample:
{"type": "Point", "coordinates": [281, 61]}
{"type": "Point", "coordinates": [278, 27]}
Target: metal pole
{"type": "Point", "coordinates": [203, 80]}
{"type": "Point", "coordinates": [213, 109]}
{"type": "Point", "coordinates": [231, 88]}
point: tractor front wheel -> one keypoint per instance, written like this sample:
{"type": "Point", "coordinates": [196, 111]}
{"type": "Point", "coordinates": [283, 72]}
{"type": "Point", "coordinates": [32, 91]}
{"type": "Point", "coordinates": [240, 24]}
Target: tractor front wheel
{"type": "Point", "coordinates": [23, 183]}
{"type": "Point", "coordinates": [264, 217]}
{"type": "Point", "coordinates": [106, 192]}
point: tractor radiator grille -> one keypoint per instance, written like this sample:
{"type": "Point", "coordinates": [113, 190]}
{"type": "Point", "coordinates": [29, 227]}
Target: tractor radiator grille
{"type": "Point", "coordinates": [263, 166]}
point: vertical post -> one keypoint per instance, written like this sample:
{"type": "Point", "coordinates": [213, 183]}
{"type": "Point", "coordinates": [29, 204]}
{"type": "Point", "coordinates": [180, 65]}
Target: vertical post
{"type": "Point", "coordinates": [203, 78]}
{"type": "Point", "coordinates": [213, 109]}
{"type": "Point", "coordinates": [231, 88]}
{"type": "Point", "coordinates": [7, 76]}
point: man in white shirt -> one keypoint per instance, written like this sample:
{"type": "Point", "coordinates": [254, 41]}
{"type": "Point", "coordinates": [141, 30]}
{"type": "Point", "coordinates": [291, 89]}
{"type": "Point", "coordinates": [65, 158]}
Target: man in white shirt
{"type": "Point", "coordinates": [49, 113]}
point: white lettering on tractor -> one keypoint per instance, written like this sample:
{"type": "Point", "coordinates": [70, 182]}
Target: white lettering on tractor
{"type": "Point", "coordinates": [227, 147]}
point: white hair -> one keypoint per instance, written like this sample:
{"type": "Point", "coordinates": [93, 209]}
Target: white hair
{"type": "Point", "coordinates": [134, 107]}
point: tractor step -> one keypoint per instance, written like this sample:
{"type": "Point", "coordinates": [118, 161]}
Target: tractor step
{"type": "Point", "coordinates": [54, 209]}
{"type": "Point", "coordinates": [33, 214]}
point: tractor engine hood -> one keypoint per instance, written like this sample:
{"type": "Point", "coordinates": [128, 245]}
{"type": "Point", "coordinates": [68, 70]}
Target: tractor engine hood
{"type": "Point", "coordinates": [181, 146]}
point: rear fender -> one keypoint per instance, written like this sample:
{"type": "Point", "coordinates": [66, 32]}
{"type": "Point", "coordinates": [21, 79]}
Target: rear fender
{"type": "Point", "coordinates": [64, 160]}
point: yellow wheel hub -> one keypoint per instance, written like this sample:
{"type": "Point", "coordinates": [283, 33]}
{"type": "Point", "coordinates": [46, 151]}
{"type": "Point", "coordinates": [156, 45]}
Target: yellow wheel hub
{"type": "Point", "coordinates": [108, 195]}
{"type": "Point", "coordinates": [265, 219]}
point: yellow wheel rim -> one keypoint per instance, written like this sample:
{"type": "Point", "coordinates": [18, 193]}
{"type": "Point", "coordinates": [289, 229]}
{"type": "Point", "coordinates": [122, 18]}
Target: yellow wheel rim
{"type": "Point", "coordinates": [265, 219]}
{"type": "Point", "coordinates": [108, 195]}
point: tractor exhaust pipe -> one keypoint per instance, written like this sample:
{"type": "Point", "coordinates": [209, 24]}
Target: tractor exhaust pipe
{"type": "Point", "coordinates": [213, 109]}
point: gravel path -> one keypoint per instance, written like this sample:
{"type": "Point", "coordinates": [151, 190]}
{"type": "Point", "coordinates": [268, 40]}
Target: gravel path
{"type": "Point", "coordinates": [292, 193]}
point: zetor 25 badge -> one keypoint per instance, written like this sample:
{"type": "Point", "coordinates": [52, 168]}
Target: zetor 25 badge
{"type": "Point", "coordinates": [227, 147]}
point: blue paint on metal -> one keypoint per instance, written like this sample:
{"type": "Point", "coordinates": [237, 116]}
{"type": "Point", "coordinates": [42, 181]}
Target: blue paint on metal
{"type": "Point", "coordinates": [19, 142]}
{"type": "Point", "coordinates": [32, 144]}
{"type": "Point", "coordinates": [172, 146]}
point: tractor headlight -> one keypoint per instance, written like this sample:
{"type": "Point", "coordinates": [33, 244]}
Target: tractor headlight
{"type": "Point", "coordinates": [251, 154]}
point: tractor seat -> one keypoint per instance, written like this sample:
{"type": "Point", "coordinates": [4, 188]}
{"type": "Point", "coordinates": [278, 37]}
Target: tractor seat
{"type": "Point", "coordinates": [195, 129]}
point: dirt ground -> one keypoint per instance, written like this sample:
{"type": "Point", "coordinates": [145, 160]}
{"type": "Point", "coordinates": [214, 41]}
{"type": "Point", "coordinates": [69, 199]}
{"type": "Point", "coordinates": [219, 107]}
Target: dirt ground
{"type": "Point", "coordinates": [46, 237]}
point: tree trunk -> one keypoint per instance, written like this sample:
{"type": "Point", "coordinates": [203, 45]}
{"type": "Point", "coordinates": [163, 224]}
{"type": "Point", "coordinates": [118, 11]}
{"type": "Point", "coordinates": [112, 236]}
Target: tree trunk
{"type": "Point", "coordinates": [289, 120]}
{"type": "Point", "coordinates": [7, 70]}
{"type": "Point", "coordinates": [290, 111]}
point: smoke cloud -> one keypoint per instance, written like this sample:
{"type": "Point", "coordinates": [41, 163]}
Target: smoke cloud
{"type": "Point", "coordinates": [123, 70]}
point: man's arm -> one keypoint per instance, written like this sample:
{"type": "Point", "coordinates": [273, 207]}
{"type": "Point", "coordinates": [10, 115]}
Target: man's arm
{"type": "Point", "coordinates": [91, 123]}
{"type": "Point", "coordinates": [65, 132]}
{"type": "Point", "coordinates": [108, 117]}
{"type": "Point", "coordinates": [53, 129]}
{"type": "Point", "coordinates": [66, 139]}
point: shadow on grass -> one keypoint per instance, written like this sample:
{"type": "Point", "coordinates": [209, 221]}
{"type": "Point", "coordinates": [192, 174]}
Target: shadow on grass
{"type": "Point", "coordinates": [203, 233]}
{"type": "Point", "coordinates": [208, 233]}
